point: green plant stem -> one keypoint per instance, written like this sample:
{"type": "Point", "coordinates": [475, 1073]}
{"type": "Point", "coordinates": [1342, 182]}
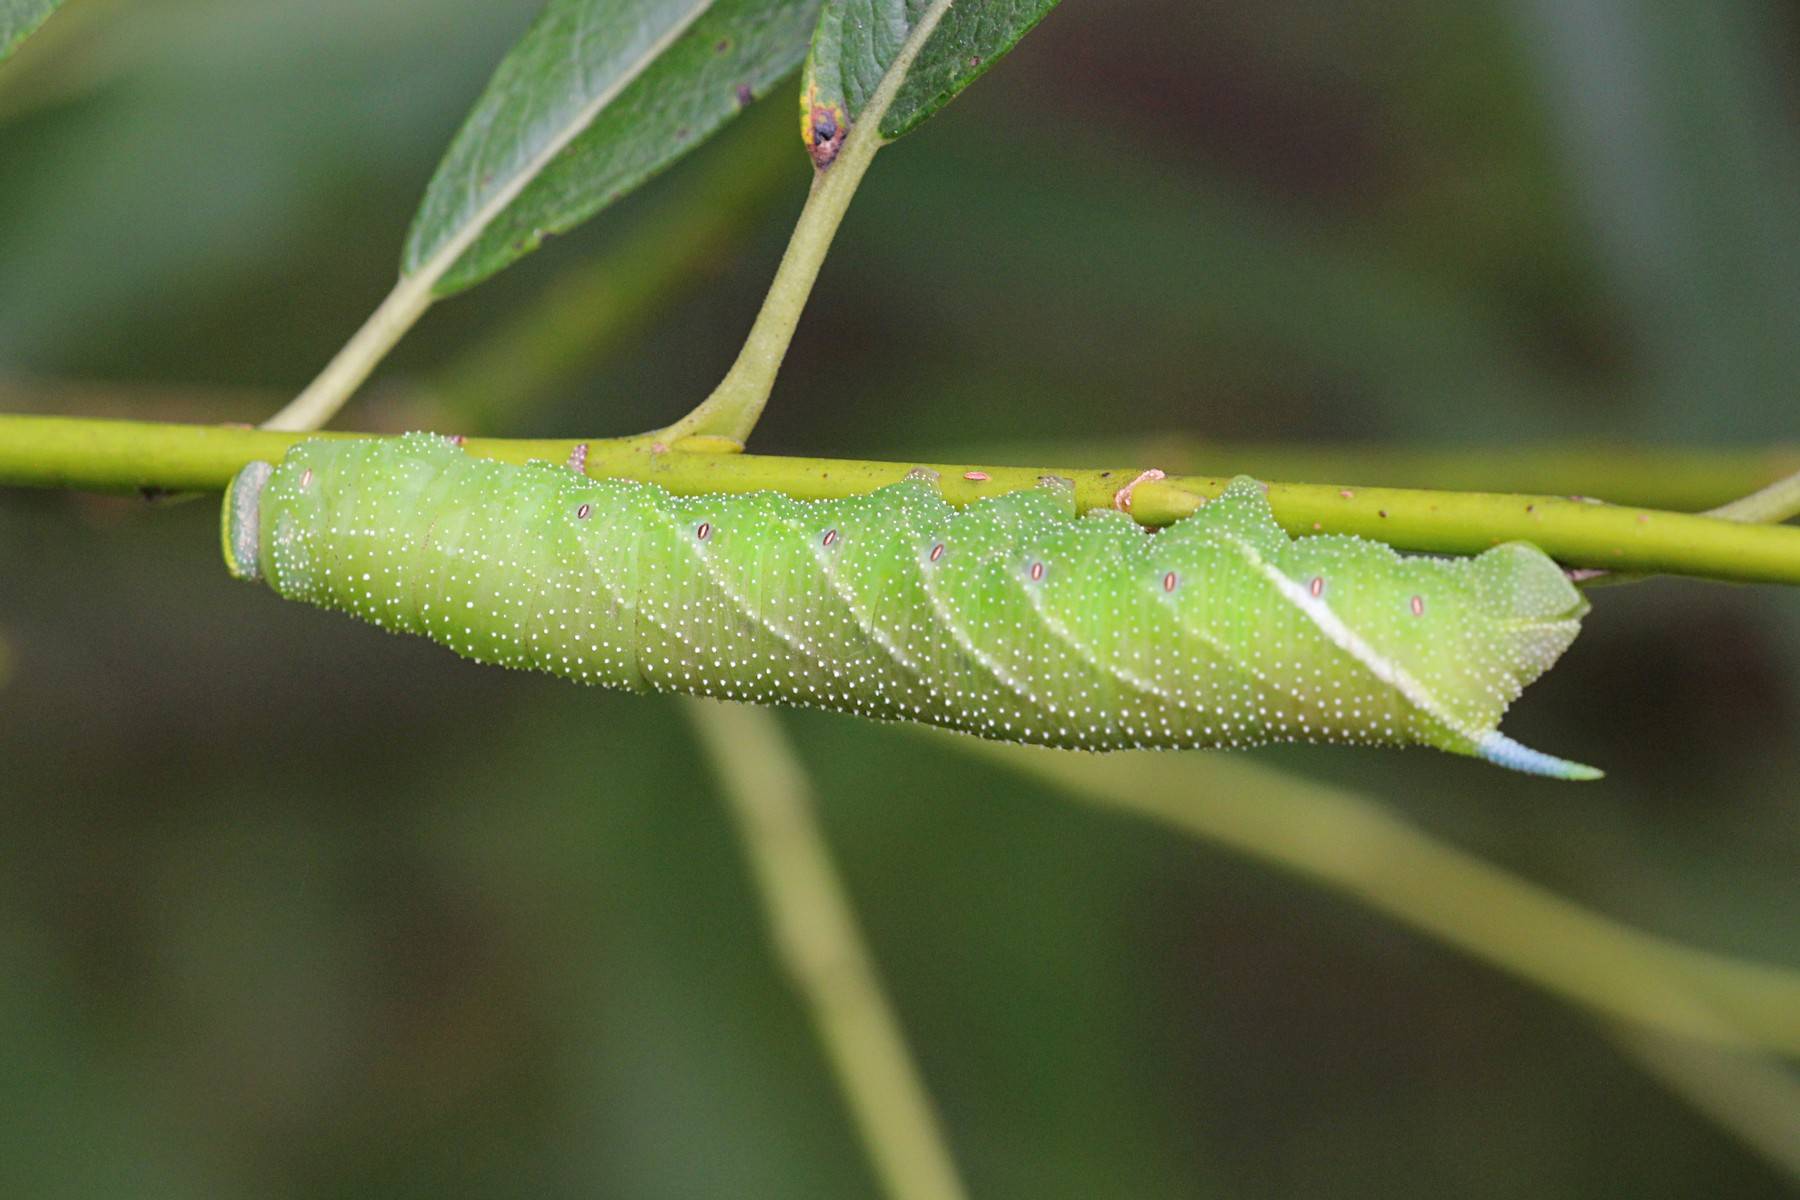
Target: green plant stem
{"type": "Point", "coordinates": [592, 309]}
{"type": "Point", "coordinates": [1776, 502]}
{"type": "Point", "coordinates": [1684, 479]}
{"type": "Point", "coordinates": [815, 934]}
{"type": "Point", "coordinates": [131, 455]}
{"type": "Point", "coordinates": [1769, 505]}
{"type": "Point", "coordinates": [1753, 1099]}
{"type": "Point", "coordinates": [1353, 845]}
{"type": "Point", "coordinates": [316, 405]}
{"type": "Point", "coordinates": [354, 362]}
{"type": "Point", "coordinates": [735, 406]}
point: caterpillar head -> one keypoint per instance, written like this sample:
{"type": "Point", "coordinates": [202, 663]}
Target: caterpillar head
{"type": "Point", "coordinates": [241, 530]}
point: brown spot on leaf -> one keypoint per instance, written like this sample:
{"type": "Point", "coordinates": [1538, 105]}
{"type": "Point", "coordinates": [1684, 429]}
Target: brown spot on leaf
{"type": "Point", "coordinates": [826, 129]}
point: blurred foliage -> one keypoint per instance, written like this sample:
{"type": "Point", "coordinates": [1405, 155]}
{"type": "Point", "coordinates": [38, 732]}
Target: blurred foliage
{"type": "Point", "coordinates": [19, 18]}
{"type": "Point", "coordinates": [292, 908]}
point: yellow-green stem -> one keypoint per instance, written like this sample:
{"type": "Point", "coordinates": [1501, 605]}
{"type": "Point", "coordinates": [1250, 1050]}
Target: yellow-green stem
{"type": "Point", "coordinates": [1342, 841]}
{"type": "Point", "coordinates": [734, 407]}
{"type": "Point", "coordinates": [1681, 478]}
{"type": "Point", "coordinates": [131, 455]}
{"type": "Point", "coordinates": [1776, 502]}
{"type": "Point", "coordinates": [1771, 505]}
{"type": "Point", "coordinates": [594, 308]}
{"type": "Point", "coordinates": [1748, 1096]}
{"type": "Point", "coordinates": [815, 932]}
{"type": "Point", "coordinates": [312, 408]}
{"type": "Point", "coordinates": [352, 364]}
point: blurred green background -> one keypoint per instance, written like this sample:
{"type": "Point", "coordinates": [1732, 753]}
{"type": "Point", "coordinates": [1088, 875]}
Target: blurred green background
{"type": "Point", "coordinates": [292, 908]}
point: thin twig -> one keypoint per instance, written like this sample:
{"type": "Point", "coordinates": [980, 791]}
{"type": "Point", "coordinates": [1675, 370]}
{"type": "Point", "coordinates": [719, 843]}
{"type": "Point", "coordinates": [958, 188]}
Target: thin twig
{"type": "Point", "coordinates": [1770, 505]}
{"type": "Point", "coordinates": [1343, 841]}
{"type": "Point", "coordinates": [314, 407]}
{"type": "Point", "coordinates": [1700, 1024]}
{"type": "Point", "coordinates": [1777, 502]}
{"type": "Point", "coordinates": [130, 455]}
{"type": "Point", "coordinates": [1755, 1100]}
{"type": "Point", "coordinates": [358, 357]}
{"type": "Point", "coordinates": [734, 407]}
{"type": "Point", "coordinates": [815, 933]}
{"type": "Point", "coordinates": [592, 309]}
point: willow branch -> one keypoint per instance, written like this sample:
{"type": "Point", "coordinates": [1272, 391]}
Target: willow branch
{"type": "Point", "coordinates": [1755, 1100]}
{"type": "Point", "coordinates": [591, 306]}
{"type": "Point", "coordinates": [815, 933]}
{"type": "Point", "coordinates": [1352, 845]}
{"type": "Point", "coordinates": [1769, 505]}
{"type": "Point", "coordinates": [132, 455]}
{"type": "Point", "coordinates": [1681, 478]}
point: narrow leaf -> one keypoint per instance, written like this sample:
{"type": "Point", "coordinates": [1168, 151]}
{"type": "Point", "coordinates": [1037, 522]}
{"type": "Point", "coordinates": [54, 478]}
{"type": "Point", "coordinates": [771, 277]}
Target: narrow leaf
{"type": "Point", "coordinates": [17, 20]}
{"type": "Point", "coordinates": [595, 98]}
{"type": "Point", "coordinates": [859, 41]}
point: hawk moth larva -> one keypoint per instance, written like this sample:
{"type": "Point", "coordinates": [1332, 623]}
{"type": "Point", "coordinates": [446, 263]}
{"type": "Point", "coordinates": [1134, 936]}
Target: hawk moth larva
{"type": "Point", "coordinates": [1014, 618]}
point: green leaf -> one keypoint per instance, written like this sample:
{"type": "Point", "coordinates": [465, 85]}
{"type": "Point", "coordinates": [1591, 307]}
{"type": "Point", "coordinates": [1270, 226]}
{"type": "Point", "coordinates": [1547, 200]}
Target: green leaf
{"type": "Point", "coordinates": [858, 42]}
{"type": "Point", "coordinates": [595, 98]}
{"type": "Point", "coordinates": [970, 39]}
{"type": "Point", "coordinates": [17, 20]}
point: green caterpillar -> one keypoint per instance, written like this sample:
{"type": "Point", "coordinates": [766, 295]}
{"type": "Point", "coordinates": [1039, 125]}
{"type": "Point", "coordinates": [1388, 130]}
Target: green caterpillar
{"type": "Point", "coordinates": [1014, 618]}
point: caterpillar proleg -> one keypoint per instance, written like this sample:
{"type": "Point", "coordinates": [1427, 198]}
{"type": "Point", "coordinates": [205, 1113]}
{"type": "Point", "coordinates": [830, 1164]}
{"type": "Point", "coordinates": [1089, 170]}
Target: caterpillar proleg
{"type": "Point", "coordinates": [1015, 618]}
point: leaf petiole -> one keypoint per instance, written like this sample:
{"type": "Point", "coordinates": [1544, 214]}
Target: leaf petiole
{"type": "Point", "coordinates": [734, 407]}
